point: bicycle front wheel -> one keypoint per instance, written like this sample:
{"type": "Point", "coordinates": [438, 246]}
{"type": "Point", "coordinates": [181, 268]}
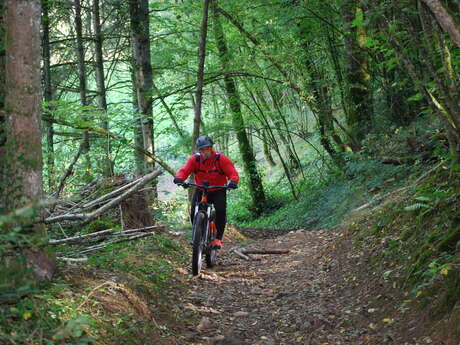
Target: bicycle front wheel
{"type": "Point", "coordinates": [199, 225]}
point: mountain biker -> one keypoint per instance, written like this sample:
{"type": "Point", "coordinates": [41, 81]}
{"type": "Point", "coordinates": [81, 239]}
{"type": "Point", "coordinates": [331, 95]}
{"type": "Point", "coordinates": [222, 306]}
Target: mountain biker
{"type": "Point", "coordinates": [216, 168]}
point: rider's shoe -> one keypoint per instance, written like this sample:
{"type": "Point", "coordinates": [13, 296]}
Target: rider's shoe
{"type": "Point", "coordinates": [216, 244]}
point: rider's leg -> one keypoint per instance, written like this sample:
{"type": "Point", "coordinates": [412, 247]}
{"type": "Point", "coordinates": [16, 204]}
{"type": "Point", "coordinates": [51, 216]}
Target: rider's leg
{"type": "Point", "coordinates": [219, 199]}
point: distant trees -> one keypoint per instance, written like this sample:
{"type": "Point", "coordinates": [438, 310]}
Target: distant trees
{"type": "Point", "coordinates": [277, 75]}
{"type": "Point", "coordinates": [231, 89]}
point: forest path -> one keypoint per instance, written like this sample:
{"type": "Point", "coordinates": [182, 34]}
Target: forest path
{"type": "Point", "coordinates": [296, 298]}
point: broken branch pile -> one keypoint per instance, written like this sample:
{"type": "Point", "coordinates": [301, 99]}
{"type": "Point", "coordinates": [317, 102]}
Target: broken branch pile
{"type": "Point", "coordinates": [83, 210]}
{"type": "Point", "coordinates": [89, 243]}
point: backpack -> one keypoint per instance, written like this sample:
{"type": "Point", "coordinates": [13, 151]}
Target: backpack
{"type": "Point", "coordinates": [218, 168]}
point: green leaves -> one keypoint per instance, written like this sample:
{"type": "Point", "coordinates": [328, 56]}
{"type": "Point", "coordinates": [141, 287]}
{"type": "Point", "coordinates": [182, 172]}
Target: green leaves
{"type": "Point", "coordinates": [359, 20]}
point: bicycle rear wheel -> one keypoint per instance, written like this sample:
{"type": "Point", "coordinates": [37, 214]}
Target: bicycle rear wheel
{"type": "Point", "coordinates": [199, 225]}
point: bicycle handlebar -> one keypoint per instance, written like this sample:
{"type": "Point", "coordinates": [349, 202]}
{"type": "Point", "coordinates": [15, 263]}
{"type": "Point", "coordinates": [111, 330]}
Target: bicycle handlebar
{"type": "Point", "coordinates": [190, 184]}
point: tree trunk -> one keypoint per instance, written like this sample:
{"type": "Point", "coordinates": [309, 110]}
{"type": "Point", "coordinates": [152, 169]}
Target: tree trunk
{"type": "Point", "coordinates": [200, 74]}
{"type": "Point", "coordinates": [82, 75]}
{"type": "Point", "coordinates": [267, 150]}
{"type": "Point", "coordinates": [3, 178]}
{"type": "Point", "coordinates": [139, 15]}
{"type": "Point", "coordinates": [271, 136]}
{"type": "Point", "coordinates": [358, 94]}
{"type": "Point", "coordinates": [137, 128]}
{"type": "Point", "coordinates": [107, 164]}
{"type": "Point", "coordinates": [23, 142]}
{"type": "Point", "coordinates": [249, 162]}
{"type": "Point", "coordinates": [22, 101]}
{"type": "Point", "coordinates": [285, 136]}
{"type": "Point", "coordinates": [445, 20]}
{"type": "Point", "coordinates": [48, 91]}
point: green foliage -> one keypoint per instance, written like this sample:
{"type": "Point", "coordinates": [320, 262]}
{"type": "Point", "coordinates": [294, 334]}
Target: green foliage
{"type": "Point", "coordinates": [17, 234]}
{"type": "Point", "coordinates": [50, 315]}
{"type": "Point", "coordinates": [422, 239]}
{"type": "Point", "coordinates": [100, 224]}
{"type": "Point", "coordinates": [321, 203]}
{"type": "Point", "coordinates": [118, 257]}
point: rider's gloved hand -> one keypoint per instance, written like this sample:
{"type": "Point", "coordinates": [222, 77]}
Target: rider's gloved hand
{"type": "Point", "coordinates": [178, 180]}
{"type": "Point", "coordinates": [232, 185]}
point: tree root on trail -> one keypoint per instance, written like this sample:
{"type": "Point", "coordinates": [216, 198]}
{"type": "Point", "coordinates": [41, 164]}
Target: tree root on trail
{"type": "Point", "coordinates": [243, 252]}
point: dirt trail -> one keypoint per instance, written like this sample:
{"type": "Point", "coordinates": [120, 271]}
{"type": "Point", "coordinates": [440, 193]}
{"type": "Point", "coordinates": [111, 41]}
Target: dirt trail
{"type": "Point", "coordinates": [279, 299]}
{"type": "Point", "coordinates": [311, 296]}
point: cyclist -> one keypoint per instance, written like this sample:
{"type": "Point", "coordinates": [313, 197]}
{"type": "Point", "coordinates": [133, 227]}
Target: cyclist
{"type": "Point", "coordinates": [216, 168]}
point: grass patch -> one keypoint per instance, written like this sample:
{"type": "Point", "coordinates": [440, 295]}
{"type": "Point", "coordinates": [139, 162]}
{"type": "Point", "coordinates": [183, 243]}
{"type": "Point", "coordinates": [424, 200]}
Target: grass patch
{"type": "Point", "coordinates": [420, 232]}
{"type": "Point", "coordinates": [320, 203]}
{"type": "Point", "coordinates": [110, 300]}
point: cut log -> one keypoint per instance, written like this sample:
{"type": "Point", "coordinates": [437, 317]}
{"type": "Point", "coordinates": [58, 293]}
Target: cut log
{"type": "Point", "coordinates": [264, 251]}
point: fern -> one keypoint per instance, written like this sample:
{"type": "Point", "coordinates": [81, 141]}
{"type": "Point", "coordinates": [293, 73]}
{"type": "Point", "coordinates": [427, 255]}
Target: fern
{"type": "Point", "coordinates": [416, 206]}
{"type": "Point", "coordinates": [423, 198]}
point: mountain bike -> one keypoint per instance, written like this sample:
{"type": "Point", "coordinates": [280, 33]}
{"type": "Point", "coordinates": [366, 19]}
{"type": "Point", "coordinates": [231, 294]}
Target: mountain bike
{"type": "Point", "coordinates": [204, 228]}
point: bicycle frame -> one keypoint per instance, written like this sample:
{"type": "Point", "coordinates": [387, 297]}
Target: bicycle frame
{"type": "Point", "coordinates": [204, 228]}
{"type": "Point", "coordinates": [207, 208]}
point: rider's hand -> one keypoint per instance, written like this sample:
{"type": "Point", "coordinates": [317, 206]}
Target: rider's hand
{"type": "Point", "coordinates": [178, 180]}
{"type": "Point", "coordinates": [232, 185]}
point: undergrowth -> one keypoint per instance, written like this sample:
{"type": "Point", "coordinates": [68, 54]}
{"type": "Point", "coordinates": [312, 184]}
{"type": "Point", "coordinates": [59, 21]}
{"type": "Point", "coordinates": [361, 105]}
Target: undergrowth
{"type": "Point", "coordinates": [419, 235]}
{"type": "Point", "coordinates": [112, 299]}
{"type": "Point", "coordinates": [321, 203]}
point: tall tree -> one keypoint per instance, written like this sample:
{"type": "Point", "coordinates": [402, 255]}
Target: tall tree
{"type": "Point", "coordinates": [48, 90]}
{"type": "Point", "coordinates": [200, 74]}
{"type": "Point", "coordinates": [22, 101]}
{"type": "Point", "coordinates": [82, 74]}
{"type": "Point", "coordinates": [107, 167]}
{"type": "Point", "coordinates": [247, 154]}
{"type": "Point", "coordinates": [358, 93]}
{"type": "Point", "coordinates": [445, 20]}
{"type": "Point", "coordinates": [139, 15]}
{"type": "Point", "coordinates": [3, 180]}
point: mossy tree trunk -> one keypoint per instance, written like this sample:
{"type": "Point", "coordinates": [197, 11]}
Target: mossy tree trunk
{"type": "Point", "coordinates": [247, 154]}
{"type": "Point", "coordinates": [357, 88]}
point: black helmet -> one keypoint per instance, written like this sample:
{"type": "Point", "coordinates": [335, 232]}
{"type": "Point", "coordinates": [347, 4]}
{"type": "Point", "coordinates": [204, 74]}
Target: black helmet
{"type": "Point", "coordinates": [203, 141]}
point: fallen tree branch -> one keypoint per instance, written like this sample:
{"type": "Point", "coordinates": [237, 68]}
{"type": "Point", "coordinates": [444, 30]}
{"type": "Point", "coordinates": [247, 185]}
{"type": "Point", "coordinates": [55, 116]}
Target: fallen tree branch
{"type": "Point", "coordinates": [86, 217]}
{"type": "Point", "coordinates": [241, 255]}
{"type": "Point", "coordinates": [105, 244]}
{"type": "Point", "coordinates": [84, 259]}
{"type": "Point", "coordinates": [109, 195]}
{"type": "Point", "coordinates": [264, 251]}
{"type": "Point", "coordinates": [103, 233]}
{"type": "Point", "coordinates": [69, 170]}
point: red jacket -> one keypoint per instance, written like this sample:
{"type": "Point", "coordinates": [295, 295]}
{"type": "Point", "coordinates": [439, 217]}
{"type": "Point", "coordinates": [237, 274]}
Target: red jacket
{"type": "Point", "coordinates": [215, 171]}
